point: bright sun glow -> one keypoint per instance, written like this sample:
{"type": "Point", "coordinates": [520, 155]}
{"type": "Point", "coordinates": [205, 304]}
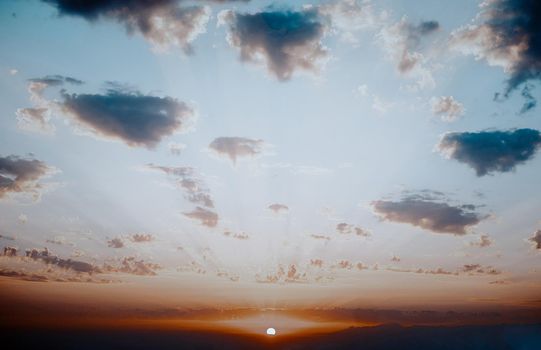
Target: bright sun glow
{"type": "Point", "coordinates": [271, 331]}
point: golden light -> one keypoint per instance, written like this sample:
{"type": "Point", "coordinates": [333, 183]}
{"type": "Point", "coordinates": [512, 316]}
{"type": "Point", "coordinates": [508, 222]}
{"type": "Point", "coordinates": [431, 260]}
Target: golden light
{"type": "Point", "coordinates": [271, 331]}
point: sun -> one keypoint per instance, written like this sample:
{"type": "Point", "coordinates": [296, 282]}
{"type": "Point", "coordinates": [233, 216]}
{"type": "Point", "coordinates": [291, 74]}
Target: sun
{"type": "Point", "coordinates": [271, 331]}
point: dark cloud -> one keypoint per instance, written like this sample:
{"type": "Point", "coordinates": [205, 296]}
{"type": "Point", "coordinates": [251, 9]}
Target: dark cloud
{"type": "Point", "coordinates": [136, 119]}
{"type": "Point", "coordinates": [47, 257]}
{"type": "Point", "coordinates": [277, 207]}
{"type": "Point", "coordinates": [10, 251]}
{"type": "Point", "coordinates": [235, 147]}
{"type": "Point", "coordinates": [164, 23]}
{"type": "Point", "coordinates": [187, 179]}
{"type": "Point", "coordinates": [436, 216]}
{"type": "Point", "coordinates": [115, 243]}
{"type": "Point", "coordinates": [491, 151]}
{"type": "Point", "coordinates": [204, 216]}
{"type": "Point", "coordinates": [21, 175]}
{"type": "Point", "coordinates": [536, 239]}
{"type": "Point", "coordinates": [285, 41]}
{"type": "Point", "coordinates": [56, 80]}
{"type": "Point", "coordinates": [32, 277]}
{"type": "Point", "coordinates": [509, 36]}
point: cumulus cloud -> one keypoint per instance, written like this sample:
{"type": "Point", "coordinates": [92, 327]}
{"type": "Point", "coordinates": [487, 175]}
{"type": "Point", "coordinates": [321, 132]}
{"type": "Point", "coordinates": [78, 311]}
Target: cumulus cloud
{"type": "Point", "coordinates": [447, 108]}
{"type": "Point", "coordinates": [484, 241]}
{"type": "Point", "coordinates": [346, 228]}
{"type": "Point", "coordinates": [164, 23]}
{"type": "Point", "coordinates": [401, 42]}
{"type": "Point", "coordinates": [236, 147]}
{"type": "Point", "coordinates": [433, 215]}
{"type": "Point", "coordinates": [204, 216]}
{"type": "Point", "coordinates": [508, 36]}
{"type": "Point", "coordinates": [536, 239]}
{"type": "Point", "coordinates": [136, 119]}
{"type": "Point", "coordinates": [278, 208]}
{"type": "Point", "coordinates": [21, 175]}
{"type": "Point", "coordinates": [188, 180]}
{"type": "Point", "coordinates": [283, 40]}
{"type": "Point", "coordinates": [491, 151]}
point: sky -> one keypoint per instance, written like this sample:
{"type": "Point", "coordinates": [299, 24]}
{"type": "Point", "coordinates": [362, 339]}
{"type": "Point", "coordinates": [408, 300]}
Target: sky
{"type": "Point", "coordinates": [330, 159]}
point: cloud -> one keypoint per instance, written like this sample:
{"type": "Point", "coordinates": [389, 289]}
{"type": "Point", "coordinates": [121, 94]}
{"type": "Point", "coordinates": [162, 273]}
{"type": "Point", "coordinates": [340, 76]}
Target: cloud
{"type": "Point", "coordinates": [435, 216]}
{"type": "Point", "coordinates": [47, 257]}
{"type": "Point", "coordinates": [204, 216]}
{"type": "Point", "coordinates": [240, 236]}
{"type": "Point", "coordinates": [236, 147]}
{"type": "Point", "coordinates": [281, 275]}
{"type": "Point", "coordinates": [316, 262]}
{"type": "Point", "coordinates": [136, 119]}
{"type": "Point", "coordinates": [278, 208]}
{"type": "Point", "coordinates": [327, 238]}
{"type": "Point", "coordinates": [38, 117]}
{"type": "Point", "coordinates": [20, 175]}
{"type": "Point", "coordinates": [536, 239]}
{"type": "Point", "coordinates": [508, 36]}
{"type": "Point", "coordinates": [283, 40]}
{"type": "Point", "coordinates": [133, 266]}
{"type": "Point", "coordinates": [346, 228]}
{"type": "Point", "coordinates": [141, 238]}
{"type": "Point", "coordinates": [190, 182]}
{"type": "Point", "coordinates": [56, 80]}
{"type": "Point", "coordinates": [115, 243]}
{"type": "Point", "coordinates": [349, 16]}
{"type": "Point", "coordinates": [484, 241]}
{"type": "Point", "coordinates": [491, 151]}
{"type": "Point", "coordinates": [447, 108]}
{"type": "Point", "coordinates": [344, 264]}
{"type": "Point", "coordinates": [10, 251]}
{"type": "Point", "coordinates": [401, 42]}
{"type": "Point", "coordinates": [176, 148]}
{"type": "Point", "coordinates": [23, 219]}
{"type": "Point", "coordinates": [164, 23]}
{"type": "Point", "coordinates": [35, 119]}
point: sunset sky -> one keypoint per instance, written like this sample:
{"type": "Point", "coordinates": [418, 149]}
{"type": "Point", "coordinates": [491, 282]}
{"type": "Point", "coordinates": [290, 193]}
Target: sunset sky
{"type": "Point", "coordinates": [179, 158]}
